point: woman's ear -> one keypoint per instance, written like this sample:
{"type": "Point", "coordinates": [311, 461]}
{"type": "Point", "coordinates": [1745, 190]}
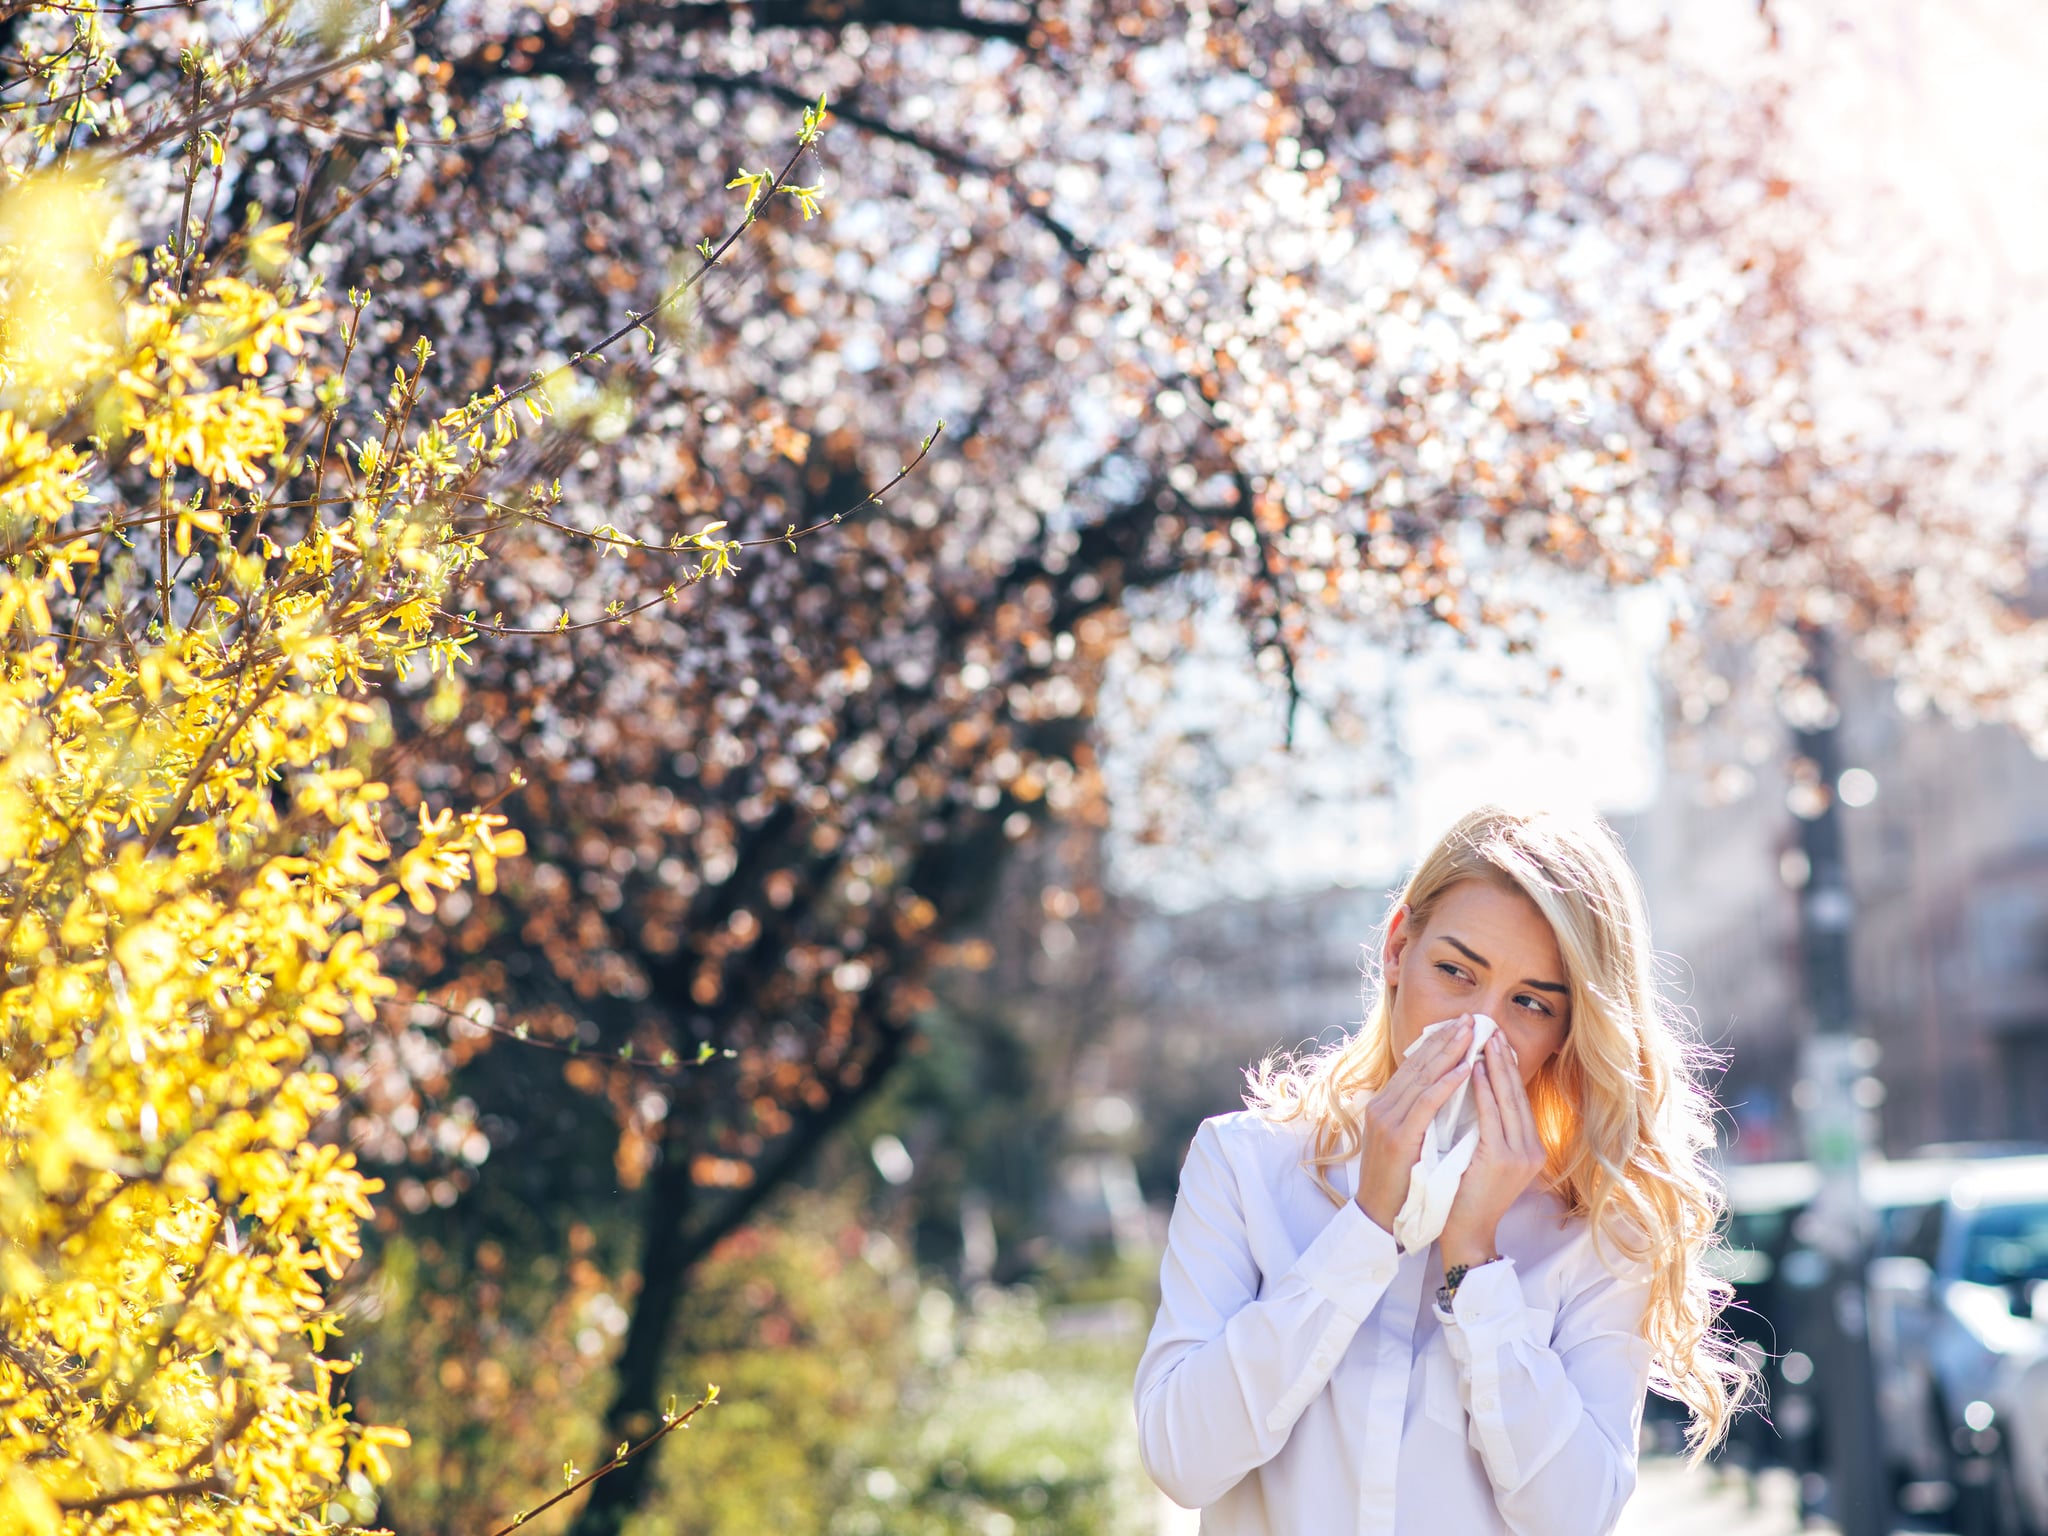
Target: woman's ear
{"type": "Point", "coordinates": [1396, 942]}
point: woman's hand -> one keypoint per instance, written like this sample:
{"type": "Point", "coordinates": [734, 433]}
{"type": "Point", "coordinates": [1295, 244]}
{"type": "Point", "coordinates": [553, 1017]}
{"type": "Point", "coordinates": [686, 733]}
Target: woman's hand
{"type": "Point", "coordinates": [1399, 1113]}
{"type": "Point", "coordinates": [1509, 1156]}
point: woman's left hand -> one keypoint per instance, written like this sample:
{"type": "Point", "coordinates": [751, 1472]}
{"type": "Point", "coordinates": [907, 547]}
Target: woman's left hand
{"type": "Point", "coordinates": [1509, 1156]}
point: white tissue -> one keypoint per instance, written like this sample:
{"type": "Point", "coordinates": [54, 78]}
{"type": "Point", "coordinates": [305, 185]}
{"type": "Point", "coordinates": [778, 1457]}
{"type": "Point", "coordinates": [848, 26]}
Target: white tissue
{"type": "Point", "coordinates": [1447, 1147]}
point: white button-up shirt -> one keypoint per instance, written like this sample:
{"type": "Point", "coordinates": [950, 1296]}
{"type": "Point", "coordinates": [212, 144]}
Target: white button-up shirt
{"type": "Point", "coordinates": [1300, 1379]}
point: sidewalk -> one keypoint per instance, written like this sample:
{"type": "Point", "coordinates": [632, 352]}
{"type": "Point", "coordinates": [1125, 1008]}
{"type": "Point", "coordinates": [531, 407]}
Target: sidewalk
{"type": "Point", "coordinates": [1669, 1501]}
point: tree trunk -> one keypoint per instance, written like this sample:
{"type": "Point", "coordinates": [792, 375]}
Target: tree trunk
{"type": "Point", "coordinates": [672, 1247]}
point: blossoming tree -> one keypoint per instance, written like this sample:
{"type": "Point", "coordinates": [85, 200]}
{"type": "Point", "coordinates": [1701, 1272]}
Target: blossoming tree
{"type": "Point", "coordinates": [1340, 319]}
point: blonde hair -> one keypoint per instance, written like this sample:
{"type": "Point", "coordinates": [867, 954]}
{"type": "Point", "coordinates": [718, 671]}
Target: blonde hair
{"type": "Point", "coordinates": [1624, 1122]}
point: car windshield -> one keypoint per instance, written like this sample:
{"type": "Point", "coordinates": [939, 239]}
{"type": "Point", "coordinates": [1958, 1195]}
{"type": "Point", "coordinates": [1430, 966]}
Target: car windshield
{"type": "Point", "coordinates": [2007, 1243]}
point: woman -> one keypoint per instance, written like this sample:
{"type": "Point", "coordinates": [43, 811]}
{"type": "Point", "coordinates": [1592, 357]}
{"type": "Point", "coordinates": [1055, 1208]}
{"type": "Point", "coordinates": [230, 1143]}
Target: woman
{"type": "Point", "coordinates": [1306, 1375]}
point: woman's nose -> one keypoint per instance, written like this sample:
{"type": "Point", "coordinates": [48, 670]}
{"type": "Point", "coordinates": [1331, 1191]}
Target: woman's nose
{"type": "Point", "coordinates": [1499, 1010]}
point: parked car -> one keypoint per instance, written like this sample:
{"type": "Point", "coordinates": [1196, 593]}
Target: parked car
{"type": "Point", "coordinates": [1777, 1275]}
{"type": "Point", "coordinates": [1962, 1389]}
{"type": "Point", "coordinates": [2018, 1503]}
{"type": "Point", "coordinates": [1763, 1201]}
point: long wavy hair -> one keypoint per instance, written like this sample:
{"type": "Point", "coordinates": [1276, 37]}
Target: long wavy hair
{"type": "Point", "coordinates": [1624, 1121]}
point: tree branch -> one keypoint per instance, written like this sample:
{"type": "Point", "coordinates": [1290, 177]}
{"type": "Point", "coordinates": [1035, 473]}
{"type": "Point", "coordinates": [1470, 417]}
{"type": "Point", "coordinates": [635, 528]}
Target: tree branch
{"type": "Point", "coordinates": [211, 1483]}
{"type": "Point", "coordinates": [565, 52]}
{"type": "Point", "coordinates": [1077, 250]}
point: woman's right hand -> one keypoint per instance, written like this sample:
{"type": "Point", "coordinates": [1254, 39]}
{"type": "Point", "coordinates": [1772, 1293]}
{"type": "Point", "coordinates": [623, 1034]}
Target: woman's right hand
{"type": "Point", "coordinates": [1399, 1113]}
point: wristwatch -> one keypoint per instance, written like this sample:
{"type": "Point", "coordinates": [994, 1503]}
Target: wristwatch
{"type": "Point", "coordinates": [1454, 1276]}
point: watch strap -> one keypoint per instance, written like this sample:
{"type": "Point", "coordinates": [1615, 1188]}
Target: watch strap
{"type": "Point", "coordinates": [1454, 1277]}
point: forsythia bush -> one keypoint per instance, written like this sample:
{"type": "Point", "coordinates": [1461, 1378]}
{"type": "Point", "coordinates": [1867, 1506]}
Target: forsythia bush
{"type": "Point", "coordinates": [195, 874]}
{"type": "Point", "coordinates": [201, 585]}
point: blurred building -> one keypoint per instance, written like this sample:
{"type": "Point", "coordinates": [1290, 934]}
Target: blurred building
{"type": "Point", "coordinates": [1948, 865]}
{"type": "Point", "coordinates": [1713, 856]}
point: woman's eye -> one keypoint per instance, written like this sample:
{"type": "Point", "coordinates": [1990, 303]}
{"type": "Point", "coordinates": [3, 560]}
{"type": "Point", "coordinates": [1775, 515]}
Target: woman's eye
{"type": "Point", "coordinates": [1534, 1004]}
{"type": "Point", "coordinates": [1456, 973]}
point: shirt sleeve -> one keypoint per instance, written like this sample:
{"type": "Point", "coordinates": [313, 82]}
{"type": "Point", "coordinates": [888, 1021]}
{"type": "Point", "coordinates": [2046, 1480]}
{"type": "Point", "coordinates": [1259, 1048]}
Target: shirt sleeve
{"type": "Point", "coordinates": [1554, 1417]}
{"type": "Point", "coordinates": [1231, 1364]}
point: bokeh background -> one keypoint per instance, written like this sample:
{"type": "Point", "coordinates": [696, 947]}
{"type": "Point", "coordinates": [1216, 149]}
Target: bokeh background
{"type": "Point", "coordinates": [1337, 414]}
{"type": "Point", "coordinates": [1789, 255]}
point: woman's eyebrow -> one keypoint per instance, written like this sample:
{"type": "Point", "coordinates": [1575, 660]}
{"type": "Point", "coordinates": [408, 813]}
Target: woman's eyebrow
{"type": "Point", "coordinates": [1478, 959]}
{"type": "Point", "coordinates": [1468, 952]}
